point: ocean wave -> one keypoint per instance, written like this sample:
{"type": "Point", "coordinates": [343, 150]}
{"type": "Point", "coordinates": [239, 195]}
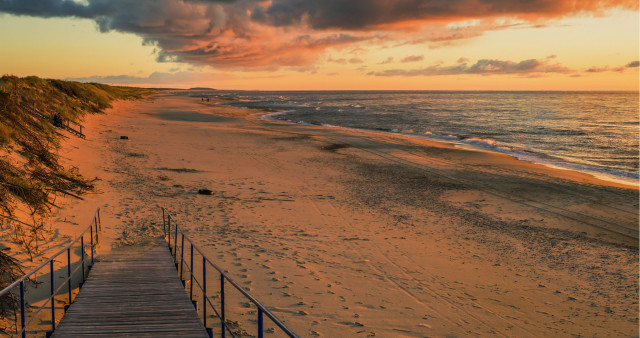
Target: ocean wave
{"type": "Point", "coordinates": [484, 142]}
{"type": "Point", "coordinates": [555, 131]}
{"type": "Point", "coordinates": [271, 116]}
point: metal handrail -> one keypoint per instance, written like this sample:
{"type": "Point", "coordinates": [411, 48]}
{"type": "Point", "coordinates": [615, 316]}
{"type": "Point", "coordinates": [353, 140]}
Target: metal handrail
{"type": "Point", "coordinates": [167, 220]}
{"type": "Point", "coordinates": [95, 222]}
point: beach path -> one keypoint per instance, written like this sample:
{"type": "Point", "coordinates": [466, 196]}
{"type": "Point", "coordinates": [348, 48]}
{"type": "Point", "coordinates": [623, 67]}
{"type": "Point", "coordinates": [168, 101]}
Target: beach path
{"type": "Point", "coordinates": [133, 291]}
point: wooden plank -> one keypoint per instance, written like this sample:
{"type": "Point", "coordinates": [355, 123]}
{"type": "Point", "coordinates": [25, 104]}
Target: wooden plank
{"type": "Point", "coordinates": [133, 292]}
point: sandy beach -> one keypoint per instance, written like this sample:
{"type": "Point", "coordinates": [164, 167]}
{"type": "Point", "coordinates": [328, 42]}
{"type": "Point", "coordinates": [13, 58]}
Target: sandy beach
{"type": "Point", "coordinates": [353, 233]}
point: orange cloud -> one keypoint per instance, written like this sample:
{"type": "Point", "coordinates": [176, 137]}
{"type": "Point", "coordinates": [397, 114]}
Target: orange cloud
{"type": "Point", "coordinates": [276, 33]}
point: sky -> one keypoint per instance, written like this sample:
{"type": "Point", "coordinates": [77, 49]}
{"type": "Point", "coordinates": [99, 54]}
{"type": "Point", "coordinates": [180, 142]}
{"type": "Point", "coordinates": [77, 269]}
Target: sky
{"type": "Point", "coordinates": [326, 44]}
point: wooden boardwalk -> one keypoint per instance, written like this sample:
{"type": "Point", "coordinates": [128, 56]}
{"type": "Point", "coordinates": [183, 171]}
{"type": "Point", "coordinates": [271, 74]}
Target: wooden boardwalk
{"type": "Point", "coordinates": [132, 292]}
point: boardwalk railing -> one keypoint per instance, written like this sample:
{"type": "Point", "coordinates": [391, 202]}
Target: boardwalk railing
{"type": "Point", "coordinates": [172, 233]}
{"type": "Point", "coordinates": [55, 118]}
{"type": "Point", "coordinates": [64, 288]}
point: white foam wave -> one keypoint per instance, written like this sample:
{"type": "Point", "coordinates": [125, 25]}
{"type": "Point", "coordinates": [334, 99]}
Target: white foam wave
{"type": "Point", "coordinates": [271, 116]}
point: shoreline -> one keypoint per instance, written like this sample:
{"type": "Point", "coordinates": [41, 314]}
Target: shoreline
{"type": "Point", "coordinates": [627, 179]}
{"type": "Point", "coordinates": [618, 179]}
{"type": "Point", "coordinates": [353, 232]}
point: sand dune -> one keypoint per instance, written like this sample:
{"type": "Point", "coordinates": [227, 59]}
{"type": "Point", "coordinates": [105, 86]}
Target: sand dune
{"type": "Point", "coordinates": [368, 234]}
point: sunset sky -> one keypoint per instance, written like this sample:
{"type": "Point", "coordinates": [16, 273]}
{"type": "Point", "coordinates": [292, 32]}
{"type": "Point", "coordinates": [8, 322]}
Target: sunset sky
{"type": "Point", "coordinates": [326, 44]}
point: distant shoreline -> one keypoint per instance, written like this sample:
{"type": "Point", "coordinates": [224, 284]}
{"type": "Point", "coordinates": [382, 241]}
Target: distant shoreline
{"type": "Point", "coordinates": [629, 179]}
{"type": "Point", "coordinates": [629, 182]}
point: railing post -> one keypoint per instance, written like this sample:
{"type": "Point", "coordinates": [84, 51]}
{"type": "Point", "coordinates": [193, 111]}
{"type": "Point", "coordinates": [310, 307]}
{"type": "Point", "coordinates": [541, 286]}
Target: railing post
{"type": "Point", "coordinates": [260, 323]}
{"type": "Point", "coordinates": [95, 220]}
{"type": "Point", "coordinates": [164, 225]}
{"type": "Point", "coordinates": [99, 220]}
{"type": "Point", "coordinates": [175, 240]}
{"type": "Point", "coordinates": [222, 317]}
{"type": "Point", "coordinates": [204, 290]}
{"type": "Point", "coordinates": [91, 227]}
{"type": "Point", "coordinates": [53, 298]}
{"type": "Point", "coordinates": [169, 231]}
{"type": "Point", "coordinates": [82, 255]}
{"type": "Point", "coordinates": [22, 319]}
{"type": "Point", "coordinates": [69, 272]}
{"type": "Point", "coordinates": [181, 257]}
{"type": "Point", "coordinates": [191, 273]}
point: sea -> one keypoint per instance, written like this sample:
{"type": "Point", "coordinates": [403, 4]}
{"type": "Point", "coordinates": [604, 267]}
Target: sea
{"type": "Point", "coordinates": [591, 132]}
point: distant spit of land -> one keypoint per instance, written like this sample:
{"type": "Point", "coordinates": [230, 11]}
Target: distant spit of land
{"type": "Point", "coordinates": [201, 88]}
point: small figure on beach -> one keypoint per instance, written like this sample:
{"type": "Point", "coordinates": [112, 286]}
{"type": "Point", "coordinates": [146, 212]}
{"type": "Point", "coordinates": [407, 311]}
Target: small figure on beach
{"type": "Point", "coordinates": [203, 99]}
{"type": "Point", "coordinates": [57, 120]}
{"type": "Point", "coordinates": [207, 99]}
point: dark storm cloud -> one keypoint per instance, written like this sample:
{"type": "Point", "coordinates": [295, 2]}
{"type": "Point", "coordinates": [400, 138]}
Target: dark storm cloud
{"type": "Point", "coordinates": [50, 8]}
{"type": "Point", "coordinates": [360, 14]}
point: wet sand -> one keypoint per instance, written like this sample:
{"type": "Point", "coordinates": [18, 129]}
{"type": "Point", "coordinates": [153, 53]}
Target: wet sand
{"type": "Point", "coordinates": [346, 233]}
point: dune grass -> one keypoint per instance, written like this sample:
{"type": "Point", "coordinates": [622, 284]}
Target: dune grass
{"type": "Point", "coordinates": [31, 173]}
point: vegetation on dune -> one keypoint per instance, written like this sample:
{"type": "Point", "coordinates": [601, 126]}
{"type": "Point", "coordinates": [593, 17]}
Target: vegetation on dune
{"type": "Point", "coordinates": [31, 174]}
{"type": "Point", "coordinates": [71, 99]}
{"type": "Point", "coordinates": [10, 271]}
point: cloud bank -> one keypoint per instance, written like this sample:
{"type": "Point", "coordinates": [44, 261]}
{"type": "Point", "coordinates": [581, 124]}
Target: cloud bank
{"type": "Point", "coordinates": [619, 69]}
{"type": "Point", "coordinates": [483, 67]}
{"type": "Point", "coordinates": [270, 34]}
